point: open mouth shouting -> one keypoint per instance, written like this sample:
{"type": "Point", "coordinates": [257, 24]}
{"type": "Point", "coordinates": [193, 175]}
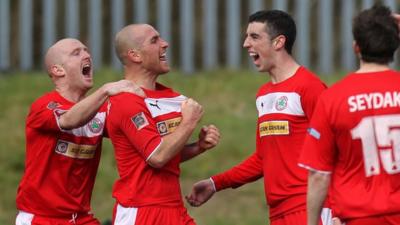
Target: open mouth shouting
{"type": "Point", "coordinates": [255, 56]}
{"type": "Point", "coordinates": [87, 69]}
{"type": "Point", "coordinates": [163, 57]}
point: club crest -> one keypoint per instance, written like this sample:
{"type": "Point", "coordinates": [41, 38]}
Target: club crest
{"type": "Point", "coordinates": [281, 103]}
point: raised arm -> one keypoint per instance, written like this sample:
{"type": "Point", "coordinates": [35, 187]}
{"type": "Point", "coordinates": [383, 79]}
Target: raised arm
{"type": "Point", "coordinates": [174, 143]}
{"type": "Point", "coordinates": [82, 112]}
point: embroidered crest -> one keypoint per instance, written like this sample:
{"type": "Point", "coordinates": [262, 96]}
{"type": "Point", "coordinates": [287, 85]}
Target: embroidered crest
{"type": "Point", "coordinates": [281, 103]}
{"type": "Point", "coordinates": [139, 120]}
{"type": "Point", "coordinates": [95, 125]}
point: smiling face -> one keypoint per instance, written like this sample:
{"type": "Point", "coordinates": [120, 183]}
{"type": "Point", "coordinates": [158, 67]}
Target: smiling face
{"type": "Point", "coordinates": [259, 46]}
{"type": "Point", "coordinates": [70, 60]}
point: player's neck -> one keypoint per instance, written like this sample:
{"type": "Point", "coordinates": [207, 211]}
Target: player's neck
{"type": "Point", "coordinates": [71, 95]}
{"type": "Point", "coordinates": [142, 78]}
{"type": "Point", "coordinates": [283, 70]}
{"type": "Point", "coordinates": [366, 67]}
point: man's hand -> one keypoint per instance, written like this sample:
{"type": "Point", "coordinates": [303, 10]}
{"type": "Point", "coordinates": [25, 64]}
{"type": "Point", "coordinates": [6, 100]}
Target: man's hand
{"type": "Point", "coordinates": [114, 88]}
{"type": "Point", "coordinates": [336, 221]}
{"type": "Point", "coordinates": [201, 192]}
{"type": "Point", "coordinates": [208, 137]}
{"type": "Point", "coordinates": [192, 112]}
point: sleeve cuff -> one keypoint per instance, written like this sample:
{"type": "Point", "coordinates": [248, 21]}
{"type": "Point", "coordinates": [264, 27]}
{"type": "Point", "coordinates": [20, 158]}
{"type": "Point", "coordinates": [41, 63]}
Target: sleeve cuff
{"type": "Point", "coordinates": [154, 151]}
{"type": "Point", "coordinates": [57, 114]}
{"type": "Point", "coordinates": [313, 169]}
{"type": "Point", "coordinates": [213, 184]}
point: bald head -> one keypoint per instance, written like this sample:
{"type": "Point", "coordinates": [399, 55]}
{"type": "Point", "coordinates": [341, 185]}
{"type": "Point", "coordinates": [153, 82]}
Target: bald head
{"type": "Point", "coordinates": [56, 53]}
{"type": "Point", "coordinates": [130, 37]}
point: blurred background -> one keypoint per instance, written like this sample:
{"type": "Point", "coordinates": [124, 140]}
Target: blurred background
{"type": "Point", "coordinates": [209, 64]}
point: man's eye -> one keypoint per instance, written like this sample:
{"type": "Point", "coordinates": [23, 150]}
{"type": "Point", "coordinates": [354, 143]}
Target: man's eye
{"type": "Point", "coordinates": [76, 52]}
{"type": "Point", "coordinates": [153, 40]}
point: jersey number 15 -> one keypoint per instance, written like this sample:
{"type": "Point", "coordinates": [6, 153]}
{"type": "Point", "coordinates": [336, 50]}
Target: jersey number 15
{"type": "Point", "coordinates": [380, 138]}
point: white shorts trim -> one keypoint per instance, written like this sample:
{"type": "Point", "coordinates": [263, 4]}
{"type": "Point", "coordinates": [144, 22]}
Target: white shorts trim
{"type": "Point", "coordinates": [24, 218]}
{"type": "Point", "coordinates": [326, 216]}
{"type": "Point", "coordinates": [125, 216]}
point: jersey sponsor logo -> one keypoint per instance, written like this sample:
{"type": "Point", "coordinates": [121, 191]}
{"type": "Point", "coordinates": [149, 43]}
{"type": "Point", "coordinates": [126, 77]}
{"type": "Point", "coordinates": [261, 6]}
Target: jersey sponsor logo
{"type": "Point", "coordinates": [374, 100]}
{"type": "Point", "coordinates": [95, 125]}
{"type": "Point", "coordinates": [276, 127]}
{"type": "Point", "coordinates": [53, 105]}
{"type": "Point", "coordinates": [162, 106]}
{"type": "Point", "coordinates": [140, 120]}
{"type": "Point", "coordinates": [168, 126]}
{"type": "Point", "coordinates": [73, 150]}
{"type": "Point", "coordinates": [280, 102]}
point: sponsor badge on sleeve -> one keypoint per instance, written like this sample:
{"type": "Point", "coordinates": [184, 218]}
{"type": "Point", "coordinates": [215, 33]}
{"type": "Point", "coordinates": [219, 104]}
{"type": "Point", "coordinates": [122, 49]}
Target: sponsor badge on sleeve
{"type": "Point", "coordinates": [139, 120]}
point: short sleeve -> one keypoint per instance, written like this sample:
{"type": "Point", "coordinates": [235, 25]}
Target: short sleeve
{"type": "Point", "coordinates": [319, 148]}
{"type": "Point", "coordinates": [136, 124]}
{"type": "Point", "coordinates": [310, 97]}
{"type": "Point", "coordinates": [45, 115]}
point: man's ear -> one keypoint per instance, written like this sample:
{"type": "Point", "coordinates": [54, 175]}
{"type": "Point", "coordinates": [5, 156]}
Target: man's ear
{"type": "Point", "coordinates": [134, 56]}
{"type": "Point", "coordinates": [356, 48]}
{"type": "Point", "coordinates": [279, 42]}
{"type": "Point", "coordinates": [57, 70]}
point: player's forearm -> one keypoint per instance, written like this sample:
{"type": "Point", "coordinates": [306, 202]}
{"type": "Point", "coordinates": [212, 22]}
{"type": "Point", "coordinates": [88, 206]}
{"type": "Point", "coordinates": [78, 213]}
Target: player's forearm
{"type": "Point", "coordinates": [247, 171]}
{"type": "Point", "coordinates": [318, 184]}
{"type": "Point", "coordinates": [190, 151]}
{"type": "Point", "coordinates": [171, 145]}
{"type": "Point", "coordinates": [83, 111]}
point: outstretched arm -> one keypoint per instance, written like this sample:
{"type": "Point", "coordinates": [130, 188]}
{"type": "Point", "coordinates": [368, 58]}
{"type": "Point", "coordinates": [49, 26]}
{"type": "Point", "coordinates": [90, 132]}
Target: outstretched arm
{"type": "Point", "coordinates": [83, 111]}
{"type": "Point", "coordinates": [208, 138]}
{"type": "Point", "coordinates": [247, 171]}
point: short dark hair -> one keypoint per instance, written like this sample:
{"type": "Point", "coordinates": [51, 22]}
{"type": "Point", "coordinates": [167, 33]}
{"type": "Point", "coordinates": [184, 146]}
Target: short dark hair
{"type": "Point", "coordinates": [277, 23]}
{"type": "Point", "coordinates": [376, 33]}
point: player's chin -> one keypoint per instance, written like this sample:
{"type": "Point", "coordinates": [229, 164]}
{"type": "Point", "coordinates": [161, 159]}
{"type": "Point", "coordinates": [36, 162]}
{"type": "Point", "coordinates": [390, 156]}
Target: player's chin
{"type": "Point", "coordinates": [164, 70]}
{"type": "Point", "coordinates": [88, 84]}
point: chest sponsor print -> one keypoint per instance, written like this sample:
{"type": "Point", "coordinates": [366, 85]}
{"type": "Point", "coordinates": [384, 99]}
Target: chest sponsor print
{"type": "Point", "coordinates": [73, 150]}
{"type": "Point", "coordinates": [277, 127]}
{"type": "Point", "coordinates": [167, 126]}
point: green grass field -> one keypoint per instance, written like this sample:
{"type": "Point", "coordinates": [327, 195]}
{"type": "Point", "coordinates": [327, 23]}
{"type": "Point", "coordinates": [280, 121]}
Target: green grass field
{"type": "Point", "coordinates": [229, 101]}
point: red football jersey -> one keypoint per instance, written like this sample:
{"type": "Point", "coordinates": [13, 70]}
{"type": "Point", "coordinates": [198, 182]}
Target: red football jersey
{"type": "Point", "coordinates": [61, 165]}
{"type": "Point", "coordinates": [284, 110]}
{"type": "Point", "coordinates": [355, 136]}
{"type": "Point", "coordinates": [136, 126]}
